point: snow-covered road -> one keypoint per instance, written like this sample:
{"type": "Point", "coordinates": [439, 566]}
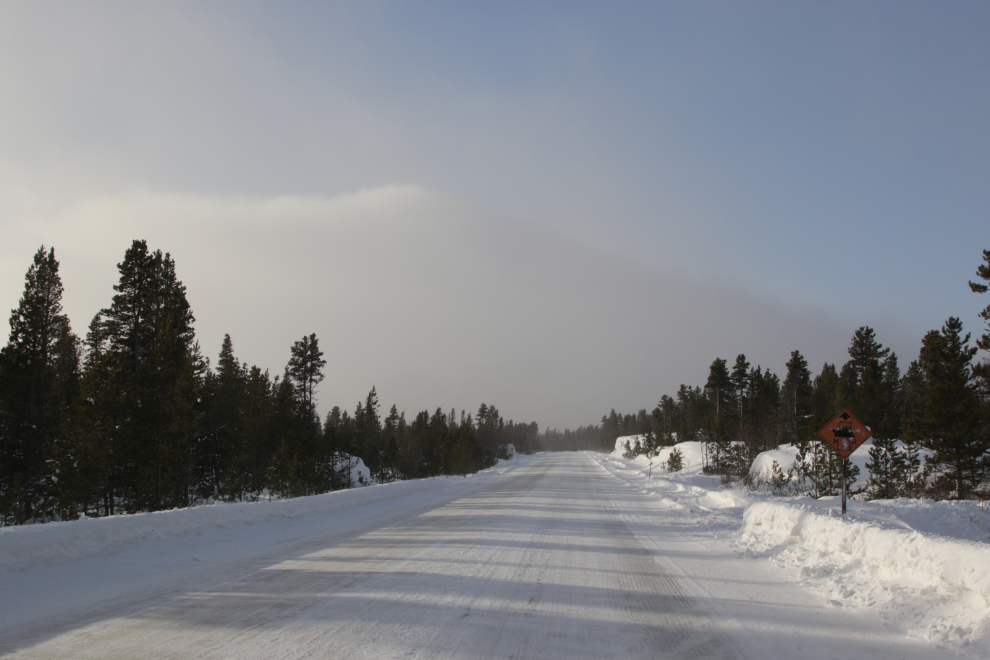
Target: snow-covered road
{"type": "Point", "coordinates": [556, 558]}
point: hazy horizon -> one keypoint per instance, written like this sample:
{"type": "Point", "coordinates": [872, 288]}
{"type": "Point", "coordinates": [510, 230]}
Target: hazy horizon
{"type": "Point", "coordinates": [556, 209]}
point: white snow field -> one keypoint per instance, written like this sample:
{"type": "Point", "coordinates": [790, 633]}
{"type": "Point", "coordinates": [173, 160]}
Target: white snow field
{"type": "Point", "coordinates": [573, 555]}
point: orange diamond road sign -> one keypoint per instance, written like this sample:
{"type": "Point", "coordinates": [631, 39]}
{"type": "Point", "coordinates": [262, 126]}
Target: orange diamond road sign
{"type": "Point", "coordinates": [845, 433]}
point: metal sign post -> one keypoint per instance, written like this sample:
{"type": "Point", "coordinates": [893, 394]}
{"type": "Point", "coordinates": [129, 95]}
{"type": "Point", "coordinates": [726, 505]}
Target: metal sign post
{"type": "Point", "coordinates": [843, 486]}
{"type": "Point", "coordinates": [844, 434]}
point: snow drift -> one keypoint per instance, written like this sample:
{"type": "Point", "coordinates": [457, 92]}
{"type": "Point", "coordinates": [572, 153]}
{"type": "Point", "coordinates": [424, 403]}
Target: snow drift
{"type": "Point", "coordinates": [28, 545]}
{"type": "Point", "coordinates": [691, 454]}
{"type": "Point", "coordinates": [923, 566]}
{"type": "Point", "coordinates": [931, 586]}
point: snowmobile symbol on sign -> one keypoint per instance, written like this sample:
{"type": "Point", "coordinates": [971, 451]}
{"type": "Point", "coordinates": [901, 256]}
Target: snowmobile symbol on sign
{"type": "Point", "coordinates": [845, 433]}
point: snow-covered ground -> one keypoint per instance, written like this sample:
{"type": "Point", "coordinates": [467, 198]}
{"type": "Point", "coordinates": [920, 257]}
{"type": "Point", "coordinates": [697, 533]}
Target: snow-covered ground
{"type": "Point", "coordinates": [923, 566]}
{"type": "Point", "coordinates": [25, 546]}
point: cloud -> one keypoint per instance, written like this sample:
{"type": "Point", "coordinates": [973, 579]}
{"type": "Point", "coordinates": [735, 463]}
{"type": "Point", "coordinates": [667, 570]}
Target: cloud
{"type": "Point", "coordinates": [434, 302]}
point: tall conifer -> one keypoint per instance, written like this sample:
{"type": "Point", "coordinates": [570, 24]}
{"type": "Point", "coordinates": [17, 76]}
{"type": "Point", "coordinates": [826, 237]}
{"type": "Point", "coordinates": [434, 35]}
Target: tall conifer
{"type": "Point", "coordinates": [38, 368]}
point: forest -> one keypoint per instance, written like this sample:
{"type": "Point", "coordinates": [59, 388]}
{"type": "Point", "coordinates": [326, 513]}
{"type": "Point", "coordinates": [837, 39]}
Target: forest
{"type": "Point", "coordinates": [132, 417]}
{"type": "Point", "coordinates": [930, 424]}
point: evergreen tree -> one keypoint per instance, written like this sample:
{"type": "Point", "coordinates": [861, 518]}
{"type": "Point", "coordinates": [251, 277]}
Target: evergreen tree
{"type": "Point", "coordinates": [763, 418]}
{"type": "Point", "coordinates": [740, 379]}
{"type": "Point", "coordinates": [225, 458]}
{"type": "Point", "coordinates": [983, 272]}
{"type": "Point", "coordinates": [868, 384]}
{"type": "Point", "coordinates": [38, 370]}
{"type": "Point", "coordinates": [393, 427]}
{"type": "Point", "coordinates": [911, 402]}
{"type": "Point", "coordinates": [982, 369]}
{"type": "Point", "coordinates": [151, 352]}
{"type": "Point", "coordinates": [796, 395]}
{"type": "Point", "coordinates": [823, 468]}
{"type": "Point", "coordinates": [950, 417]}
{"type": "Point", "coordinates": [721, 406]}
{"type": "Point", "coordinates": [306, 370]}
{"type": "Point", "coordinates": [667, 409]}
{"type": "Point", "coordinates": [368, 432]}
{"type": "Point", "coordinates": [95, 429]}
{"type": "Point", "coordinates": [260, 439]}
{"type": "Point", "coordinates": [337, 439]}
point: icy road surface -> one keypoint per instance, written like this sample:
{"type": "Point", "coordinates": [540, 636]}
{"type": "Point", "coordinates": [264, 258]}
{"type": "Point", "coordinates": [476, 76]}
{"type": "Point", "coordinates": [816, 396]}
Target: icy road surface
{"type": "Point", "coordinates": [556, 558]}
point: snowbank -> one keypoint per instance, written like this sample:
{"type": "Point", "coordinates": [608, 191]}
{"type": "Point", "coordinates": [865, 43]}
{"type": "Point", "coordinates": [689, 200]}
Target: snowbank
{"type": "Point", "coordinates": [28, 545]}
{"type": "Point", "coordinates": [23, 546]}
{"type": "Point", "coordinates": [691, 454]}
{"type": "Point", "coordinates": [785, 457]}
{"type": "Point", "coordinates": [931, 586]}
{"type": "Point", "coordinates": [923, 566]}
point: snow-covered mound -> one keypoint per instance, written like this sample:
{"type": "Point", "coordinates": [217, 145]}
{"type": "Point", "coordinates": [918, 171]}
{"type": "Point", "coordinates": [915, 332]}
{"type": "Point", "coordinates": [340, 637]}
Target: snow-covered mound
{"type": "Point", "coordinates": [620, 444]}
{"type": "Point", "coordinates": [785, 457]}
{"type": "Point", "coordinates": [691, 454]}
{"type": "Point", "coordinates": [360, 474]}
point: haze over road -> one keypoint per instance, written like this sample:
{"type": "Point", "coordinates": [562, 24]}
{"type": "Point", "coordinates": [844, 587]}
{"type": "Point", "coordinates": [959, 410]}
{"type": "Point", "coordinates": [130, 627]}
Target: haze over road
{"type": "Point", "coordinates": [554, 559]}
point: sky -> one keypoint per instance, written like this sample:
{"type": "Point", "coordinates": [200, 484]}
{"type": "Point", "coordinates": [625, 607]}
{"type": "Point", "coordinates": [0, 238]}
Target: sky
{"type": "Point", "coordinates": [558, 208]}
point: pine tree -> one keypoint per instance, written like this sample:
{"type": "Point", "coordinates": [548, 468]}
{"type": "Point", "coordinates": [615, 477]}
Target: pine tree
{"type": "Point", "coordinates": [740, 379]}
{"type": "Point", "coordinates": [721, 404]}
{"type": "Point", "coordinates": [667, 409]}
{"type": "Point", "coordinates": [150, 351]}
{"type": "Point", "coordinates": [368, 431]}
{"type": "Point", "coordinates": [257, 413]}
{"type": "Point", "coordinates": [983, 272]}
{"type": "Point", "coordinates": [226, 461]}
{"type": "Point", "coordinates": [950, 417]}
{"type": "Point", "coordinates": [796, 395]}
{"type": "Point", "coordinates": [911, 402]}
{"type": "Point", "coordinates": [763, 394]}
{"type": "Point", "coordinates": [306, 370]}
{"type": "Point", "coordinates": [392, 428]}
{"type": "Point", "coordinates": [887, 467]}
{"type": "Point", "coordinates": [38, 370]}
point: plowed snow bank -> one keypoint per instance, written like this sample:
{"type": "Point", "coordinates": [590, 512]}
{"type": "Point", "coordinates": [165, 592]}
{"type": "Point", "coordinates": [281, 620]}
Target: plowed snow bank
{"type": "Point", "coordinates": [25, 546]}
{"type": "Point", "coordinates": [935, 587]}
{"type": "Point", "coordinates": [924, 566]}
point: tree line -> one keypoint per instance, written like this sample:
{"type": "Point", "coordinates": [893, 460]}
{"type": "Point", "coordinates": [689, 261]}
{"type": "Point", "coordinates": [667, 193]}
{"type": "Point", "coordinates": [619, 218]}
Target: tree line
{"type": "Point", "coordinates": [132, 417]}
{"type": "Point", "coordinates": [938, 408]}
